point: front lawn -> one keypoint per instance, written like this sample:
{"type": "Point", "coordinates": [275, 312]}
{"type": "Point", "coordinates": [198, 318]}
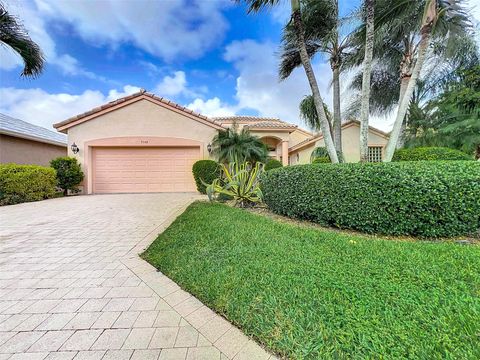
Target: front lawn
{"type": "Point", "coordinates": [308, 293]}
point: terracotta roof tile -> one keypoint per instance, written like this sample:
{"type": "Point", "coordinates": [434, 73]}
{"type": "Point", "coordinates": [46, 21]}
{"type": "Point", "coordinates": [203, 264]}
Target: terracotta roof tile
{"type": "Point", "coordinates": [271, 124]}
{"type": "Point", "coordinates": [142, 92]}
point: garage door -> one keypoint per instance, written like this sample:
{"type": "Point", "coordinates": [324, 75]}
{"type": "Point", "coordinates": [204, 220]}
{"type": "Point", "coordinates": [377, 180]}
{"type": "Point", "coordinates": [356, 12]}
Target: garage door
{"type": "Point", "coordinates": [149, 169]}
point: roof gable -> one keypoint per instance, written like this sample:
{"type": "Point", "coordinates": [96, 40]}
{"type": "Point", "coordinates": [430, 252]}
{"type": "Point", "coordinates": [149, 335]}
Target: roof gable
{"type": "Point", "coordinates": [130, 99]}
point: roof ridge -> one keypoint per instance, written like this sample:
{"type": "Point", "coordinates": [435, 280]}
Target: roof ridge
{"type": "Point", "coordinates": [141, 92]}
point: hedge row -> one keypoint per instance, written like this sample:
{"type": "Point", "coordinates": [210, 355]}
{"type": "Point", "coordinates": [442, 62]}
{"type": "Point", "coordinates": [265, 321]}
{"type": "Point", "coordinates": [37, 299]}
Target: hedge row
{"type": "Point", "coordinates": [426, 199]}
{"type": "Point", "coordinates": [22, 183]}
{"type": "Point", "coordinates": [430, 153]}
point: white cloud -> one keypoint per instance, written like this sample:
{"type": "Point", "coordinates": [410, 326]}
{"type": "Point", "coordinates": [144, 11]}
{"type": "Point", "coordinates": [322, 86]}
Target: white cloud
{"type": "Point", "coordinates": [174, 85]}
{"type": "Point", "coordinates": [211, 107]}
{"type": "Point", "coordinates": [35, 24]}
{"type": "Point", "coordinates": [44, 109]}
{"type": "Point", "coordinates": [168, 29]}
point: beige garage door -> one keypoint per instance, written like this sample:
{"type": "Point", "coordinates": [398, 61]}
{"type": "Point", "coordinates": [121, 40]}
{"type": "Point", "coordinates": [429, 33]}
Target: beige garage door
{"type": "Point", "coordinates": [163, 169]}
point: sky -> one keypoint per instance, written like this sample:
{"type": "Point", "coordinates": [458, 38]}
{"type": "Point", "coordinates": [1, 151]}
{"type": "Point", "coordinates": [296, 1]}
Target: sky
{"type": "Point", "coordinates": [208, 55]}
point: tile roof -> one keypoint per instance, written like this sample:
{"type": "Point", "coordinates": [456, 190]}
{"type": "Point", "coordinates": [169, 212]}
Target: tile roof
{"type": "Point", "coordinates": [243, 118]}
{"type": "Point", "coordinates": [142, 92]}
{"type": "Point", "coordinates": [272, 124]}
{"type": "Point", "coordinates": [19, 128]}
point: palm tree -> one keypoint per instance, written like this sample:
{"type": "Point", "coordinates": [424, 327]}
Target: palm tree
{"type": "Point", "coordinates": [309, 115]}
{"type": "Point", "coordinates": [232, 145]}
{"type": "Point", "coordinates": [367, 70]}
{"type": "Point", "coordinates": [296, 20]}
{"type": "Point", "coordinates": [399, 25]}
{"type": "Point", "coordinates": [14, 35]}
{"type": "Point", "coordinates": [322, 27]}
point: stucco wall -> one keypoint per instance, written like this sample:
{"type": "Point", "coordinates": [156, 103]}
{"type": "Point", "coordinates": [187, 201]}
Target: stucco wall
{"type": "Point", "coordinates": [350, 145]}
{"type": "Point", "coordinates": [23, 151]}
{"type": "Point", "coordinates": [297, 137]}
{"type": "Point", "coordinates": [142, 118]}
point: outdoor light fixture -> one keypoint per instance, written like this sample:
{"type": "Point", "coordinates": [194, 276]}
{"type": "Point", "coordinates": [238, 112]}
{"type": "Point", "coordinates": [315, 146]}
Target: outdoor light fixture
{"type": "Point", "coordinates": [209, 148]}
{"type": "Point", "coordinates": [74, 148]}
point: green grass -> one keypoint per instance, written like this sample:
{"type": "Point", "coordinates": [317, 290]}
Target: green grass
{"type": "Point", "coordinates": [309, 293]}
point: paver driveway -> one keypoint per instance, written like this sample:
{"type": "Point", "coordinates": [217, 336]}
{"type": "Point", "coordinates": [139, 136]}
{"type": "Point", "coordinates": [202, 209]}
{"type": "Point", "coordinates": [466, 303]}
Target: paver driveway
{"type": "Point", "coordinates": [73, 287]}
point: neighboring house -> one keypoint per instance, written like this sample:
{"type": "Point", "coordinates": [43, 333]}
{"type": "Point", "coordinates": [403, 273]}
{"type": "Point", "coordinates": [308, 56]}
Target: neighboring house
{"type": "Point", "coordinates": [377, 140]}
{"type": "Point", "coordinates": [25, 143]}
{"type": "Point", "coordinates": [145, 143]}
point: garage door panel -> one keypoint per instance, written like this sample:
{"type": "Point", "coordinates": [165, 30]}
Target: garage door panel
{"type": "Point", "coordinates": [144, 169]}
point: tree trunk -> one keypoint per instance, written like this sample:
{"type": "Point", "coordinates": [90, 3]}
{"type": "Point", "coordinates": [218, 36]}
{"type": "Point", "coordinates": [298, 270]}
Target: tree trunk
{"type": "Point", "coordinates": [426, 31]}
{"type": "Point", "coordinates": [317, 98]}
{"type": "Point", "coordinates": [337, 118]}
{"type": "Point", "coordinates": [402, 136]}
{"type": "Point", "coordinates": [367, 71]}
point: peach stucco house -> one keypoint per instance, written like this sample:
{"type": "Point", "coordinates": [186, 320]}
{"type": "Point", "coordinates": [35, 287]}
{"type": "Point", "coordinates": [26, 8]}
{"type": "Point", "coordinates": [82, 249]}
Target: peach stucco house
{"type": "Point", "coordinates": [145, 143]}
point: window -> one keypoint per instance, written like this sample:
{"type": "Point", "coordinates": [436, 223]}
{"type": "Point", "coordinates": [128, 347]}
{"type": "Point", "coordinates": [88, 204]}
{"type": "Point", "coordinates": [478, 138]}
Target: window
{"type": "Point", "coordinates": [375, 153]}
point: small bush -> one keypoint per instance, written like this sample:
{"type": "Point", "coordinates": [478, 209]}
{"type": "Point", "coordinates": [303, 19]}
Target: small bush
{"type": "Point", "coordinates": [23, 183]}
{"type": "Point", "coordinates": [426, 199]}
{"type": "Point", "coordinates": [69, 173]}
{"type": "Point", "coordinates": [430, 153]}
{"type": "Point", "coordinates": [272, 164]}
{"type": "Point", "coordinates": [204, 172]}
{"type": "Point", "coordinates": [322, 160]}
{"type": "Point", "coordinates": [319, 152]}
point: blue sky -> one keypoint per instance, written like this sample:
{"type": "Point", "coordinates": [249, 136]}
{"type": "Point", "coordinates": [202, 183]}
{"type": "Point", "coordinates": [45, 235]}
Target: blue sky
{"type": "Point", "coordinates": [208, 55]}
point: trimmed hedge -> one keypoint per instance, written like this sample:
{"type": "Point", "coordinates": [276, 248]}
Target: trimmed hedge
{"type": "Point", "coordinates": [206, 170]}
{"type": "Point", "coordinates": [429, 153]}
{"type": "Point", "coordinates": [273, 164]}
{"type": "Point", "coordinates": [425, 199]}
{"type": "Point", "coordinates": [23, 183]}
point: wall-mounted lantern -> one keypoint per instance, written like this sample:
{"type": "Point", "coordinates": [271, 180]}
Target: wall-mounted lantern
{"type": "Point", "coordinates": [74, 148]}
{"type": "Point", "coordinates": [209, 148]}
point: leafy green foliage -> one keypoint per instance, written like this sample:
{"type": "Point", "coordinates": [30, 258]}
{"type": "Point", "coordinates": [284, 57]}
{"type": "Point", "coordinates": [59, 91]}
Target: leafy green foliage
{"type": "Point", "coordinates": [452, 118]}
{"type": "Point", "coordinates": [310, 293]}
{"type": "Point", "coordinates": [320, 152]}
{"type": "Point", "coordinates": [240, 182]}
{"type": "Point", "coordinates": [322, 160]}
{"type": "Point", "coordinates": [423, 198]}
{"type": "Point", "coordinates": [204, 172]}
{"type": "Point", "coordinates": [14, 35]}
{"type": "Point", "coordinates": [308, 113]}
{"type": "Point", "coordinates": [69, 173]}
{"type": "Point", "coordinates": [23, 183]}
{"type": "Point", "coordinates": [232, 145]}
{"type": "Point", "coordinates": [430, 153]}
{"type": "Point", "coordinates": [272, 164]}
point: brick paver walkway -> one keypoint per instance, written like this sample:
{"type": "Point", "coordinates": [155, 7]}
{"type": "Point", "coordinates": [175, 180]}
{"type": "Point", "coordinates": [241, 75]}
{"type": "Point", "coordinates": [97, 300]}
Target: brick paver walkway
{"type": "Point", "coordinates": [73, 287]}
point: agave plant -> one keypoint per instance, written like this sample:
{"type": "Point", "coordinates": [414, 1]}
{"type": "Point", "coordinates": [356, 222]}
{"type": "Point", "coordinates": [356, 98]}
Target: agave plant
{"type": "Point", "coordinates": [239, 181]}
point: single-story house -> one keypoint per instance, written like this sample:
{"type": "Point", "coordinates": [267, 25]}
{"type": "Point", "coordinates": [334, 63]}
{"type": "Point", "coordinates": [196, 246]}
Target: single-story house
{"type": "Point", "coordinates": [25, 143]}
{"type": "Point", "coordinates": [146, 143]}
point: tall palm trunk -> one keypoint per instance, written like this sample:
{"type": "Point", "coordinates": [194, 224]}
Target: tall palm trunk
{"type": "Point", "coordinates": [426, 32]}
{"type": "Point", "coordinates": [307, 65]}
{"type": "Point", "coordinates": [337, 118]}
{"type": "Point", "coordinates": [402, 136]}
{"type": "Point", "coordinates": [367, 71]}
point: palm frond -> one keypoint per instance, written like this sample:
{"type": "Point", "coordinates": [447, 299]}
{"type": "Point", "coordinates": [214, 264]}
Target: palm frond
{"type": "Point", "coordinates": [14, 35]}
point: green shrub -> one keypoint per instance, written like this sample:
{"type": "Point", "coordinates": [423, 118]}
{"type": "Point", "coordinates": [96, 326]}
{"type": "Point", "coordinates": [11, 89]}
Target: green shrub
{"type": "Point", "coordinates": [22, 183]}
{"type": "Point", "coordinates": [204, 172]}
{"type": "Point", "coordinates": [69, 173]}
{"type": "Point", "coordinates": [319, 152]}
{"type": "Point", "coordinates": [426, 199]}
{"type": "Point", "coordinates": [272, 164]}
{"type": "Point", "coordinates": [322, 160]}
{"type": "Point", "coordinates": [429, 153]}
{"type": "Point", "coordinates": [240, 181]}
